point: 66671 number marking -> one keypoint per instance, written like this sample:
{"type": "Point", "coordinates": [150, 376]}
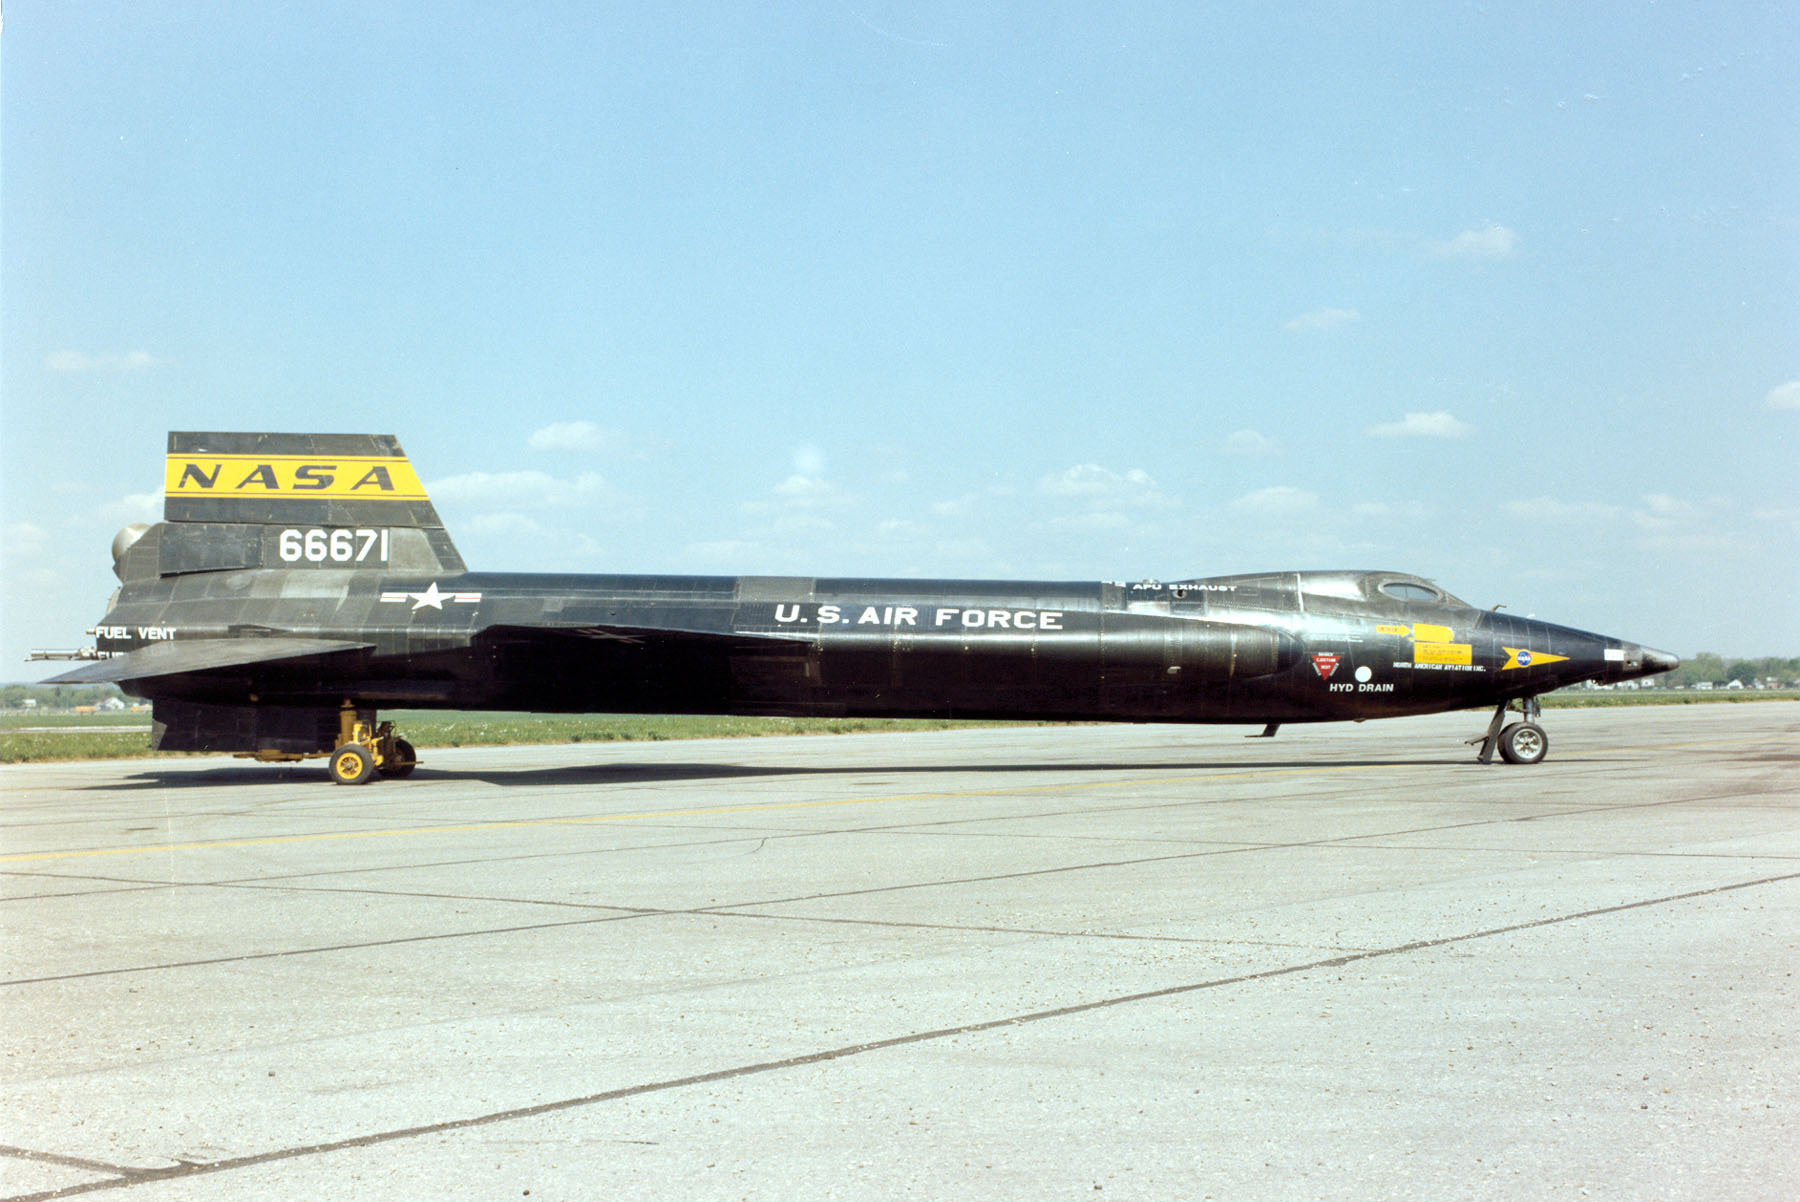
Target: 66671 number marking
{"type": "Point", "coordinates": [341, 545]}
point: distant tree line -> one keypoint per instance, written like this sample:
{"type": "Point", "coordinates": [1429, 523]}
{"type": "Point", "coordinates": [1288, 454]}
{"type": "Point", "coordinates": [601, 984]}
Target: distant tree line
{"type": "Point", "coordinates": [56, 696]}
{"type": "Point", "coordinates": [1706, 666]}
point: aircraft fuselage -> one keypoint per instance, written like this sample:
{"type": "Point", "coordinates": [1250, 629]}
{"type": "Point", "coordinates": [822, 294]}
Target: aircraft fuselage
{"type": "Point", "coordinates": [300, 581]}
{"type": "Point", "coordinates": [1285, 647]}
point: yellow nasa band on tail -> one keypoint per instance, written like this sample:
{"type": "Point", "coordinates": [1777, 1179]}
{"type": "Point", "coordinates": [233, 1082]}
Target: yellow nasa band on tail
{"type": "Point", "coordinates": [312, 476]}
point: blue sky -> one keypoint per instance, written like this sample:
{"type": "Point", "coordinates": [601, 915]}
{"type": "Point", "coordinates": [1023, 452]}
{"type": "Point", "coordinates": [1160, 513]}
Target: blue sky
{"type": "Point", "coordinates": [1508, 296]}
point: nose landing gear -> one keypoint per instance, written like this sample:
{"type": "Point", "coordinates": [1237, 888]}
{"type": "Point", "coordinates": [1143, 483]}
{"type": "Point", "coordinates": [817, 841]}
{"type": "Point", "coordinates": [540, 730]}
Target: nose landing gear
{"type": "Point", "coordinates": [1523, 742]}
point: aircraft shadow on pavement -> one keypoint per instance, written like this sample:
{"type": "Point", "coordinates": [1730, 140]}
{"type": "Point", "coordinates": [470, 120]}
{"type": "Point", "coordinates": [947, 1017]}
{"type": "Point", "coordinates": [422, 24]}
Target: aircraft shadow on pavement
{"type": "Point", "coordinates": [620, 773]}
{"type": "Point", "coordinates": [617, 774]}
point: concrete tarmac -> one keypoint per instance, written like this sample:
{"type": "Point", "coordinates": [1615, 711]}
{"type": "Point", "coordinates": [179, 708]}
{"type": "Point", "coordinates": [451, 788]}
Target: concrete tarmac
{"type": "Point", "coordinates": [1031, 963]}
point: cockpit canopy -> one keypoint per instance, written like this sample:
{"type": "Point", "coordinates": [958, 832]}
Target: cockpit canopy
{"type": "Point", "coordinates": [1358, 587]}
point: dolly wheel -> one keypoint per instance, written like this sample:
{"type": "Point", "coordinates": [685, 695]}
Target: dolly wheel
{"type": "Point", "coordinates": [1524, 743]}
{"type": "Point", "coordinates": [352, 764]}
{"type": "Point", "coordinates": [399, 760]}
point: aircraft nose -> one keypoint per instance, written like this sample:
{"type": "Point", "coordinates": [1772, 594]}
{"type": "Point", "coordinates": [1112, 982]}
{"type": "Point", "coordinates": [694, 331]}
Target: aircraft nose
{"type": "Point", "coordinates": [1634, 661]}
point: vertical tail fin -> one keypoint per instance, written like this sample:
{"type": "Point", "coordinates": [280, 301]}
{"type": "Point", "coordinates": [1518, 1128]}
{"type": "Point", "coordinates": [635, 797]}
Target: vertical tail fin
{"type": "Point", "coordinates": [347, 501]}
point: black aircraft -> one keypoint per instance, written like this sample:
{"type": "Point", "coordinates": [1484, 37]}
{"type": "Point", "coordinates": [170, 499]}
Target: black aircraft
{"type": "Point", "coordinates": [299, 581]}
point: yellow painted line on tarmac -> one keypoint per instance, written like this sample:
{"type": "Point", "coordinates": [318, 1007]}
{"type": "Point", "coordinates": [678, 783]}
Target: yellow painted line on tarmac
{"type": "Point", "coordinates": [652, 815]}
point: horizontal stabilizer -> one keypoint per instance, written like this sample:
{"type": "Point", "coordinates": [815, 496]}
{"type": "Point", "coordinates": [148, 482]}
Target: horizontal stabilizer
{"type": "Point", "coordinates": [199, 655]}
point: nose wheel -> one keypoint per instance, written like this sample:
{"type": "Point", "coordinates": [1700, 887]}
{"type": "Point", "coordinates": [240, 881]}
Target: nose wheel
{"type": "Point", "coordinates": [1524, 742]}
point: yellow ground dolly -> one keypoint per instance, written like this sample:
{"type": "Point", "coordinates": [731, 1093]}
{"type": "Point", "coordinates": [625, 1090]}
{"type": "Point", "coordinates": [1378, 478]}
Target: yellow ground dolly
{"type": "Point", "coordinates": [364, 749]}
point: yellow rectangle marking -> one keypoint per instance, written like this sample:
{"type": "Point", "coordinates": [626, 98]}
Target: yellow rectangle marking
{"type": "Point", "coordinates": [1442, 653]}
{"type": "Point", "coordinates": [1402, 631]}
{"type": "Point", "coordinates": [337, 477]}
{"type": "Point", "coordinates": [1425, 633]}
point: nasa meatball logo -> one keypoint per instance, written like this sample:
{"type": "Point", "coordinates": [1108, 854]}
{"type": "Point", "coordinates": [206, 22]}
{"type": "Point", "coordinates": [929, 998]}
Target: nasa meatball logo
{"type": "Point", "coordinates": [1325, 663]}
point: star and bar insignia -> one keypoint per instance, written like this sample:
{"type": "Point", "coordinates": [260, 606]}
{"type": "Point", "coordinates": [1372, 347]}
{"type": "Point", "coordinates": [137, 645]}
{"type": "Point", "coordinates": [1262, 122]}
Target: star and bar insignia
{"type": "Point", "coordinates": [432, 598]}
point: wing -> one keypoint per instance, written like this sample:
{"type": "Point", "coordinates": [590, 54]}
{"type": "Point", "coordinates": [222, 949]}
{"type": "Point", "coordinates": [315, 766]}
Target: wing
{"type": "Point", "coordinates": [199, 655]}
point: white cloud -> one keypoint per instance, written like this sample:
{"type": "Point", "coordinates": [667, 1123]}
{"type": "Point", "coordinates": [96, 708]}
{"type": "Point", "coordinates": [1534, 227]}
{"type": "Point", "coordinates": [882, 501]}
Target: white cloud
{"type": "Point", "coordinates": [1660, 513]}
{"type": "Point", "coordinates": [1770, 517]}
{"type": "Point", "coordinates": [902, 528]}
{"type": "Point", "coordinates": [1663, 505]}
{"type": "Point", "coordinates": [1323, 319]}
{"type": "Point", "coordinates": [1280, 500]}
{"type": "Point", "coordinates": [1082, 480]}
{"type": "Point", "coordinates": [801, 487]}
{"type": "Point", "coordinates": [1097, 499]}
{"type": "Point", "coordinates": [1250, 442]}
{"type": "Point", "coordinates": [1489, 242]}
{"type": "Point", "coordinates": [514, 526]}
{"type": "Point", "coordinates": [132, 507]}
{"type": "Point", "coordinates": [798, 504]}
{"type": "Point", "coordinates": [732, 553]}
{"type": "Point", "coordinates": [77, 361]}
{"type": "Point", "coordinates": [1670, 525]}
{"type": "Point", "coordinates": [1410, 511]}
{"type": "Point", "coordinates": [963, 548]}
{"type": "Point", "coordinates": [527, 489]}
{"type": "Point", "coordinates": [25, 541]}
{"type": "Point", "coordinates": [1092, 482]}
{"type": "Point", "coordinates": [955, 506]}
{"type": "Point", "coordinates": [804, 488]}
{"type": "Point", "coordinates": [1664, 523]}
{"type": "Point", "coordinates": [569, 436]}
{"type": "Point", "coordinates": [1099, 519]}
{"type": "Point", "coordinates": [1551, 511]}
{"type": "Point", "coordinates": [1784, 396]}
{"type": "Point", "coordinates": [775, 522]}
{"type": "Point", "coordinates": [39, 580]}
{"type": "Point", "coordinates": [578, 548]}
{"type": "Point", "coordinates": [1423, 425]}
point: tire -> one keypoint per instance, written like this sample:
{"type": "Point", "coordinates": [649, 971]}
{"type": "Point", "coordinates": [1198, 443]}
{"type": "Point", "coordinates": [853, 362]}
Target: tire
{"type": "Point", "coordinates": [401, 763]}
{"type": "Point", "coordinates": [1524, 743]}
{"type": "Point", "coordinates": [352, 764]}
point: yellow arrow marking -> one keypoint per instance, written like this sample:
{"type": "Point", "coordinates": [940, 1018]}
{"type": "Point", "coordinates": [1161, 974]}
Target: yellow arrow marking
{"type": "Point", "coordinates": [1519, 657]}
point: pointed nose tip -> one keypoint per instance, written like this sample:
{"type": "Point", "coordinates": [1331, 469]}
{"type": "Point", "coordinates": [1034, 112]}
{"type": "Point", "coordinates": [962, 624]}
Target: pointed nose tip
{"type": "Point", "coordinates": [1659, 661]}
